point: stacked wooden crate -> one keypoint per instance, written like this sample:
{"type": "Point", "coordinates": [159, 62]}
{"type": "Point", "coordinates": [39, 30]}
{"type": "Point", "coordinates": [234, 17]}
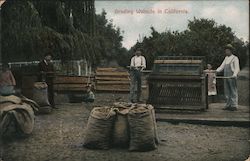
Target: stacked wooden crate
{"type": "Point", "coordinates": [63, 83]}
{"type": "Point", "coordinates": [112, 80]}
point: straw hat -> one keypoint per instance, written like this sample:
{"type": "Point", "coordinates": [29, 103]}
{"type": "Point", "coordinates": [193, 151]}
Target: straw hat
{"type": "Point", "coordinates": [229, 46]}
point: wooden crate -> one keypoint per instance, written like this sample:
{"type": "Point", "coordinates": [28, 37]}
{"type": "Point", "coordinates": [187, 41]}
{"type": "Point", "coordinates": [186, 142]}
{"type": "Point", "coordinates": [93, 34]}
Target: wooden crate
{"type": "Point", "coordinates": [178, 93]}
{"type": "Point", "coordinates": [64, 83]}
{"type": "Point", "coordinates": [112, 80]}
{"type": "Point", "coordinates": [177, 83]}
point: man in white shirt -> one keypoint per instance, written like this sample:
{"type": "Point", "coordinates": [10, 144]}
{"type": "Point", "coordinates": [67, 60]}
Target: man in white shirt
{"type": "Point", "coordinates": [231, 68]}
{"type": "Point", "coordinates": [137, 64]}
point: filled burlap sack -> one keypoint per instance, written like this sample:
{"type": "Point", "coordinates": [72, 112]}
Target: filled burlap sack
{"type": "Point", "coordinates": [122, 105]}
{"type": "Point", "coordinates": [142, 130]}
{"type": "Point", "coordinates": [16, 119]}
{"type": "Point", "coordinates": [121, 128]}
{"type": "Point", "coordinates": [12, 98]}
{"type": "Point", "coordinates": [152, 111]}
{"type": "Point", "coordinates": [40, 94]}
{"type": "Point", "coordinates": [98, 134]}
{"type": "Point", "coordinates": [32, 103]}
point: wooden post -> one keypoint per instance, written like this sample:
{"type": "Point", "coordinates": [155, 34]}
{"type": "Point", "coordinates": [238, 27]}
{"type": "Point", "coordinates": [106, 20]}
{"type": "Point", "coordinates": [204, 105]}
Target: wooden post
{"type": "Point", "coordinates": [79, 68]}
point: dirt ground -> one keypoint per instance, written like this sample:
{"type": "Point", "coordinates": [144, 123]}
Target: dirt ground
{"type": "Point", "coordinates": [59, 136]}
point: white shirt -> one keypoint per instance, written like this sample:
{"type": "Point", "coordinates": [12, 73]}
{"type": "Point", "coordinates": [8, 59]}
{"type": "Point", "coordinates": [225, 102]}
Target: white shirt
{"type": "Point", "coordinates": [234, 64]}
{"type": "Point", "coordinates": [138, 61]}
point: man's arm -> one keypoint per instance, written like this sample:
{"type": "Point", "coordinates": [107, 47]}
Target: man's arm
{"type": "Point", "coordinates": [132, 62]}
{"type": "Point", "coordinates": [236, 66]}
{"type": "Point", "coordinates": [143, 62]}
{"type": "Point", "coordinates": [222, 66]}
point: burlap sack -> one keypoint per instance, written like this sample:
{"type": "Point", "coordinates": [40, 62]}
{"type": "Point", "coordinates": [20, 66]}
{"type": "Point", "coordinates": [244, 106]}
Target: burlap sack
{"type": "Point", "coordinates": [8, 126]}
{"type": "Point", "coordinates": [152, 111]}
{"type": "Point", "coordinates": [40, 94]}
{"type": "Point", "coordinates": [16, 119]}
{"type": "Point", "coordinates": [11, 98]}
{"type": "Point", "coordinates": [142, 131]}
{"type": "Point", "coordinates": [99, 128]}
{"type": "Point", "coordinates": [32, 103]}
{"type": "Point", "coordinates": [121, 128]}
{"type": "Point", "coordinates": [122, 105]}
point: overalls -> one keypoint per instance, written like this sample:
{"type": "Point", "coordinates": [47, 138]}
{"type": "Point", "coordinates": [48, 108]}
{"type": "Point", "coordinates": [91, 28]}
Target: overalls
{"type": "Point", "coordinates": [230, 87]}
{"type": "Point", "coordinates": [135, 86]}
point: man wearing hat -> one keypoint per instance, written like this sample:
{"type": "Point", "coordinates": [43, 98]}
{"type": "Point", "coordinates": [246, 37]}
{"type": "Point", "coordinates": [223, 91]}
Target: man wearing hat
{"type": "Point", "coordinates": [47, 74]}
{"type": "Point", "coordinates": [231, 68]}
{"type": "Point", "coordinates": [137, 64]}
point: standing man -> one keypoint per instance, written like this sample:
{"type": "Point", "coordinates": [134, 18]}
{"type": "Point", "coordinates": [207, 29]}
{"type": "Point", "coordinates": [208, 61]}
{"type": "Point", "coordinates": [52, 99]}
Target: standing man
{"type": "Point", "coordinates": [47, 74]}
{"type": "Point", "coordinates": [137, 64]}
{"type": "Point", "coordinates": [231, 68]}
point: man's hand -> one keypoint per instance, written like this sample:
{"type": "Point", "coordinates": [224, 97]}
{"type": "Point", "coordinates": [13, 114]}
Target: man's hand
{"type": "Point", "coordinates": [141, 68]}
{"type": "Point", "coordinates": [234, 76]}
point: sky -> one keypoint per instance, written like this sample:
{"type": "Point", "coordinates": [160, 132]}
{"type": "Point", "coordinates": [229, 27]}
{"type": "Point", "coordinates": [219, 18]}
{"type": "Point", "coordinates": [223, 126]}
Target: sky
{"type": "Point", "coordinates": [136, 17]}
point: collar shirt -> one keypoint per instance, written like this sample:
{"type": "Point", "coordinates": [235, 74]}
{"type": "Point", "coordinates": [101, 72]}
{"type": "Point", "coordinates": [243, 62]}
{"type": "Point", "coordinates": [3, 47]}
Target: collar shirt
{"type": "Point", "coordinates": [233, 61]}
{"type": "Point", "coordinates": [138, 61]}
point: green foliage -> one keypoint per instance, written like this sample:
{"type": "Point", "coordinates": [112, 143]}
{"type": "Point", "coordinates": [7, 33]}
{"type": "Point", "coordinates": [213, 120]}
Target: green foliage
{"type": "Point", "coordinates": [203, 37]}
{"type": "Point", "coordinates": [69, 29]}
{"type": "Point", "coordinates": [32, 28]}
{"type": "Point", "coordinates": [109, 37]}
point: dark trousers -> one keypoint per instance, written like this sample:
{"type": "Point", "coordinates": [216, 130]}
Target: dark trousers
{"type": "Point", "coordinates": [135, 86]}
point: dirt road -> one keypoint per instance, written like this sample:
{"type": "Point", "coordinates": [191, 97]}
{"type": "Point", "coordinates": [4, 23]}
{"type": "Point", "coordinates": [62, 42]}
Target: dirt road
{"type": "Point", "coordinates": [59, 137]}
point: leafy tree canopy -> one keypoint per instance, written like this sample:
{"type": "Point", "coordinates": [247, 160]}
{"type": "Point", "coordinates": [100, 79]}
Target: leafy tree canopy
{"type": "Point", "coordinates": [203, 37]}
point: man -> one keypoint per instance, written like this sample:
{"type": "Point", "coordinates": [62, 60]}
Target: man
{"type": "Point", "coordinates": [231, 68]}
{"type": "Point", "coordinates": [47, 74]}
{"type": "Point", "coordinates": [137, 64]}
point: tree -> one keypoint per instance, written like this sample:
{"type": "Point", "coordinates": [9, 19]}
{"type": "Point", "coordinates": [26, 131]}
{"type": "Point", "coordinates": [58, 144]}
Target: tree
{"type": "Point", "coordinates": [203, 37]}
{"type": "Point", "coordinates": [109, 38]}
{"type": "Point", "coordinates": [30, 28]}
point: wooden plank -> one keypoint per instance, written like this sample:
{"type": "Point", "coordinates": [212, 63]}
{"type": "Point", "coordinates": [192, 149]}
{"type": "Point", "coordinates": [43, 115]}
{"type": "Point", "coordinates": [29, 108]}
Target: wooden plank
{"type": "Point", "coordinates": [112, 78]}
{"type": "Point", "coordinates": [70, 79]}
{"type": "Point", "coordinates": [112, 74]}
{"type": "Point", "coordinates": [213, 115]}
{"type": "Point", "coordinates": [177, 61]}
{"type": "Point", "coordinates": [111, 70]}
{"type": "Point", "coordinates": [111, 89]}
{"type": "Point", "coordinates": [113, 86]}
{"type": "Point", "coordinates": [70, 85]}
{"type": "Point", "coordinates": [106, 69]}
{"type": "Point", "coordinates": [113, 82]}
{"type": "Point", "coordinates": [69, 89]}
